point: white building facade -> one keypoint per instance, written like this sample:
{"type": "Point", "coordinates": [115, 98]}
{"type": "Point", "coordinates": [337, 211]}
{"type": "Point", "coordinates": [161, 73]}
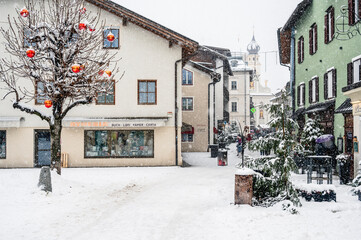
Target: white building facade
{"type": "Point", "coordinates": [119, 129]}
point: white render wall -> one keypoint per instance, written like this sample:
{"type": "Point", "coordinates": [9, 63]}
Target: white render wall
{"type": "Point", "coordinates": [142, 55]}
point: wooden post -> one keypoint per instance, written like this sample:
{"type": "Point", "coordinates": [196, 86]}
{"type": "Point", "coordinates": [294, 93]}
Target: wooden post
{"type": "Point", "coordinates": [243, 191]}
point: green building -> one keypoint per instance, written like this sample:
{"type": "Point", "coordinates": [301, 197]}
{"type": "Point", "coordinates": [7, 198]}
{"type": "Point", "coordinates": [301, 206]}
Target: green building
{"type": "Point", "coordinates": [321, 43]}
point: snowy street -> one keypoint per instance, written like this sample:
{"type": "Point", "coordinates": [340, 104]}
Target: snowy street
{"type": "Point", "coordinates": [161, 203]}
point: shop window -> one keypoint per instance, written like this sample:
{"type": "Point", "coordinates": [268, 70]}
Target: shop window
{"type": "Point", "coordinates": [147, 92]}
{"type": "Point", "coordinates": [187, 77]}
{"type": "Point", "coordinates": [313, 90]}
{"type": "Point", "coordinates": [119, 143]}
{"type": "Point", "coordinates": [108, 97]}
{"type": "Point", "coordinates": [313, 39]}
{"type": "Point", "coordinates": [301, 49]}
{"type": "Point", "coordinates": [354, 72]}
{"type": "Point", "coordinates": [354, 11]}
{"type": "Point", "coordinates": [301, 95]}
{"type": "Point", "coordinates": [111, 44]}
{"type": "Point", "coordinates": [2, 144]}
{"type": "Point", "coordinates": [234, 106]}
{"type": "Point", "coordinates": [329, 24]}
{"type": "Point", "coordinates": [187, 137]}
{"type": "Point", "coordinates": [187, 104]}
{"type": "Point", "coordinates": [234, 85]}
{"type": "Point", "coordinates": [330, 84]}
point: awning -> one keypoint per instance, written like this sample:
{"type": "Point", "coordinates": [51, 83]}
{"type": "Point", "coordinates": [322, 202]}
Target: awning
{"type": "Point", "coordinates": [345, 107]}
{"type": "Point", "coordinates": [187, 128]}
{"type": "Point", "coordinates": [319, 107]}
{"type": "Point", "coordinates": [7, 122]}
{"type": "Point", "coordinates": [299, 111]}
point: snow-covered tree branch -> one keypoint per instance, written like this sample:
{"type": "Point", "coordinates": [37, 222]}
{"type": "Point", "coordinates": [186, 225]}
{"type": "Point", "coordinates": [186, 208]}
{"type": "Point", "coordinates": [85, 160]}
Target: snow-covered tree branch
{"type": "Point", "coordinates": [55, 53]}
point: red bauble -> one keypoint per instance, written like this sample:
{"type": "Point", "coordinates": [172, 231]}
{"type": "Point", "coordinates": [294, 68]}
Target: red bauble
{"type": "Point", "coordinates": [75, 68]}
{"type": "Point", "coordinates": [110, 37]}
{"type": "Point", "coordinates": [30, 53]}
{"type": "Point", "coordinates": [101, 72]}
{"type": "Point", "coordinates": [48, 103]}
{"type": "Point", "coordinates": [82, 26]}
{"type": "Point", "coordinates": [108, 72]}
{"type": "Point", "coordinates": [91, 28]}
{"type": "Point", "coordinates": [24, 12]}
{"type": "Point", "coordinates": [82, 10]}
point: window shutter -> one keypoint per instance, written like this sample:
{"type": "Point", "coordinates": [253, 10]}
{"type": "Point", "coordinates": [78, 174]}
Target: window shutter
{"type": "Point", "coordinates": [332, 23]}
{"type": "Point", "coordinates": [351, 12]}
{"type": "Point", "coordinates": [326, 28]}
{"type": "Point", "coordinates": [349, 73]}
{"type": "Point", "coordinates": [304, 94]}
{"type": "Point", "coordinates": [298, 96]}
{"type": "Point", "coordinates": [316, 45]}
{"type": "Point", "coordinates": [299, 50]}
{"type": "Point", "coordinates": [334, 82]}
{"type": "Point", "coordinates": [309, 91]}
{"type": "Point", "coordinates": [359, 9]}
{"type": "Point", "coordinates": [310, 41]}
{"type": "Point", "coordinates": [317, 87]}
{"type": "Point", "coordinates": [359, 73]}
{"type": "Point", "coordinates": [325, 86]}
{"type": "Point", "coordinates": [303, 49]}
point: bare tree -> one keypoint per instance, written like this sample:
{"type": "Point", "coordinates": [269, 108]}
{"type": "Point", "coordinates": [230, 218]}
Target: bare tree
{"type": "Point", "coordinates": [55, 53]}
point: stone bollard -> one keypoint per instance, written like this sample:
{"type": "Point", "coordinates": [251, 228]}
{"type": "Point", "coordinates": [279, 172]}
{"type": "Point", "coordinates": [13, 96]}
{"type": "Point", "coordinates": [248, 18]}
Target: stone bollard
{"type": "Point", "coordinates": [243, 190]}
{"type": "Point", "coordinates": [45, 179]}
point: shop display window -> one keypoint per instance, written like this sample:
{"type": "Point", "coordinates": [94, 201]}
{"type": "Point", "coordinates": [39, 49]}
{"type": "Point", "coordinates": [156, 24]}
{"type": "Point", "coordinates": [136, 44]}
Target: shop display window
{"type": "Point", "coordinates": [119, 143]}
{"type": "Point", "coordinates": [2, 144]}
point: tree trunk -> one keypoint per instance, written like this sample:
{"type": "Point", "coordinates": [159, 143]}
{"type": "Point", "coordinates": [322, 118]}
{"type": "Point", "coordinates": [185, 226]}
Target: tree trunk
{"type": "Point", "coordinates": [55, 133]}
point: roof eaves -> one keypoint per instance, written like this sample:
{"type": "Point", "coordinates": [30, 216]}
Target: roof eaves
{"type": "Point", "coordinates": [300, 9]}
{"type": "Point", "coordinates": [146, 23]}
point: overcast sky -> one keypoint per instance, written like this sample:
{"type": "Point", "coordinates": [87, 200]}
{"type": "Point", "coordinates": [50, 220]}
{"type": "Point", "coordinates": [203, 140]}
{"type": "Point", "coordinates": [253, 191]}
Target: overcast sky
{"type": "Point", "coordinates": [225, 23]}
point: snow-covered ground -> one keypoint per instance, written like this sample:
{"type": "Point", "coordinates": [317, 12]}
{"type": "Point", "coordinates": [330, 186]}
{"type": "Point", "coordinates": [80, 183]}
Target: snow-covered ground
{"type": "Point", "coordinates": [161, 203]}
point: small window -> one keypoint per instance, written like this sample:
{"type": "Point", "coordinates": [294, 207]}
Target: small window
{"type": "Point", "coordinates": [108, 97]}
{"type": "Point", "coordinates": [187, 104]}
{"type": "Point", "coordinates": [356, 65]}
{"type": "Point", "coordinates": [2, 144]}
{"type": "Point", "coordinates": [330, 84]}
{"type": "Point", "coordinates": [301, 49]}
{"type": "Point", "coordinates": [261, 114]}
{"type": "Point", "coordinates": [111, 44]}
{"type": "Point", "coordinates": [354, 11]}
{"type": "Point", "coordinates": [187, 137]}
{"type": "Point", "coordinates": [313, 39]}
{"type": "Point", "coordinates": [329, 24]}
{"type": "Point", "coordinates": [234, 106]}
{"type": "Point", "coordinates": [147, 92]}
{"type": "Point", "coordinates": [187, 77]}
{"type": "Point", "coordinates": [301, 95]}
{"type": "Point", "coordinates": [313, 90]}
{"type": "Point", "coordinates": [39, 93]}
{"type": "Point", "coordinates": [251, 84]}
{"type": "Point", "coordinates": [234, 85]}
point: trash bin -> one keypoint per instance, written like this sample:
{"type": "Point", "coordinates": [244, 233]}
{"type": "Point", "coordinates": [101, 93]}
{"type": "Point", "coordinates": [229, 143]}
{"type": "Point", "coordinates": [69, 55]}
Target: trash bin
{"type": "Point", "coordinates": [214, 150]}
{"type": "Point", "coordinates": [222, 157]}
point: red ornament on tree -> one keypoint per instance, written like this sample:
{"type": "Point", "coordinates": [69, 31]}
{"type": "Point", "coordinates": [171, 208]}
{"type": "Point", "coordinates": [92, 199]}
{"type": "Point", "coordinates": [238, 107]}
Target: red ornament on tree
{"type": "Point", "coordinates": [30, 53]}
{"type": "Point", "coordinates": [110, 37]}
{"type": "Point", "coordinates": [91, 28]}
{"type": "Point", "coordinates": [108, 72]}
{"type": "Point", "coordinates": [24, 12]}
{"type": "Point", "coordinates": [82, 26]}
{"type": "Point", "coordinates": [101, 72]}
{"type": "Point", "coordinates": [82, 10]}
{"type": "Point", "coordinates": [75, 68]}
{"type": "Point", "coordinates": [48, 103]}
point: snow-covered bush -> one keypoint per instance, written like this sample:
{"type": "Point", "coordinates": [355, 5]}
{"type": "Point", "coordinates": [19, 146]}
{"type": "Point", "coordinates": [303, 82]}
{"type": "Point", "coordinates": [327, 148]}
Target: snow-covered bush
{"type": "Point", "coordinates": [311, 131]}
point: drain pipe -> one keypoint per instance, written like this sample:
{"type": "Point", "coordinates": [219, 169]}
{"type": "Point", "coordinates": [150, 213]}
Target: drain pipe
{"type": "Point", "coordinates": [215, 78]}
{"type": "Point", "coordinates": [176, 108]}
